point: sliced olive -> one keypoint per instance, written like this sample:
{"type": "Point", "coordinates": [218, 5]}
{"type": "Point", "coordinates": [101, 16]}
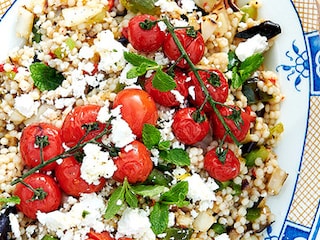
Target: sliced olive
{"type": "Point", "coordinates": [253, 93]}
{"type": "Point", "coordinates": [5, 222]}
{"type": "Point", "coordinates": [268, 29]}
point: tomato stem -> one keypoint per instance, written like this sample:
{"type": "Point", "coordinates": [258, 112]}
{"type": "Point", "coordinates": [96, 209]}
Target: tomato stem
{"type": "Point", "coordinates": [194, 69]}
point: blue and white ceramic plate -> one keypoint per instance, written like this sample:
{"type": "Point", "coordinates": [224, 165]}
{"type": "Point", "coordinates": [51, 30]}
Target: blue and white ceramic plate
{"type": "Point", "coordinates": [296, 58]}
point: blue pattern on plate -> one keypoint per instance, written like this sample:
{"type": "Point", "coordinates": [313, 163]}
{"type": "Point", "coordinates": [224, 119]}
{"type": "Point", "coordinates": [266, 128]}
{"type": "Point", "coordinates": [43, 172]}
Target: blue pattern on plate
{"type": "Point", "coordinates": [313, 44]}
{"type": "Point", "coordinates": [299, 68]}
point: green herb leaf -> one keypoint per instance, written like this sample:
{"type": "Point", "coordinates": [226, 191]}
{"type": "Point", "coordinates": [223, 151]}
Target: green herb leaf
{"type": "Point", "coordinates": [148, 190]}
{"type": "Point", "coordinates": [45, 77]}
{"type": "Point", "coordinates": [178, 234]}
{"type": "Point", "coordinates": [176, 156]}
{"type": "Point", "coordinates": [131, 198]}
{"type": "Point", "coordinates": [253, 214]}
{"type": "Point", "coordinates": [10, 200]}
{"type": "Point", "coordinates": [137, 60]}
{"type": "Point", "coordinates": [163, 81]}
{"type": "Point", "coordinates": [115, 202]}
{"type": "Point", "coordinates": [159, 218]}
{"type": "Point", "coordinates": [85, 213]}
{"type": "Point", "coordinates": [164, 145]}
{"type": "Point", "coordinates": [156, 177]}
{"type": "Point", "coordinates": [35, 30]}
{"type": "Point", "coordinates": [176, 195]}
{"type": "Point", "coordinates": [219, 228]}
{"type": "Point", "coordinates": [49, 237]}
{"type": "Point", "coordinates": [150, 136]}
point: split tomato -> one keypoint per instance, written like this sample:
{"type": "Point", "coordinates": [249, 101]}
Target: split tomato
{"type": "Point", "coordinates": [40, 141]}
{"type": "Point", "coordinates": [137, 108]}
{"type": "Point", "coordinates": [221, 164]}
{"type": "Point", "coordinates": [69, 178]}
{"type": "Point", "coordinates": [144, 34]}
{"type": "Point", "coordinates": [190, 127]}
{"type": "Point", "coordinates": [78, 121]}
{"type": "Point", "coordinates": [192, 42]}
{"type": "Point", "coordinates": [46, 198]}
{"type": "Point", "coordinates": [169, 98]}
{"type": "Point", "coordinates": [133, 163]}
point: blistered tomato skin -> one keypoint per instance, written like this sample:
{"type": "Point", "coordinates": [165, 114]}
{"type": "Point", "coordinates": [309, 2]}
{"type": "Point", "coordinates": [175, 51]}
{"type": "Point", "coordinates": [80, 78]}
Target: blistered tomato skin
{"type": "Point", "coordinates": [69, 178]}
{"type": "Point", "coordinates": [137, 108]}
{"type": "Point", "coordinates": [72, 128]}
{"type": "Point", "coordinates": [240, 132]}
{"type": "Point", "coordinates": [186, 129]}
{"type": "Point", "coordinates": [145, 40]}
{"type": "Point", "coordinates": [133, 163]}
{"type": "Point", "coordinates": [169, 99]}
{"type": "Point", "coordinates": [194, 47]}
{"type": "Point", "coordinates": [222, 171]}
{"type": "Point", "coordinates": [49, 203]}
{"type": "Point", "coordinates": [30, 151]}
{"type": "Point", "coordinates": [216, 84]}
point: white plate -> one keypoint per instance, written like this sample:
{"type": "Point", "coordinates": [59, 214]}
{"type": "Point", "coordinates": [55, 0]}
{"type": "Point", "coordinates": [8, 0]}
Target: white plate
{"type": "Point", "coordinates": [287, 57]}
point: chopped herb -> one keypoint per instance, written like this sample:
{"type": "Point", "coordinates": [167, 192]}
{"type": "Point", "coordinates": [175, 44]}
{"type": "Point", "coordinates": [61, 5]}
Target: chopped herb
{"type": "Point", "coordinates": [253, 214]}
{"type": "Point", "coordinates": [159, 218]}
{"type": "Point", "coordinates": [85, 213]}
{"type": "Point", "coordinates": [45, 77]}
{"type": "Point", "coordinates": [150, 136]}
{"type": "Point", "coordinates": [176, 156]}
{"type": "Point", "coordinates": [10, 200]}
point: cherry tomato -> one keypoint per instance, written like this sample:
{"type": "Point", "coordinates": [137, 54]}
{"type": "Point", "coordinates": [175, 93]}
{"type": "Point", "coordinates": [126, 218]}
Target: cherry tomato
{"type": "Point", "coordinates": [219, 170]}
{"type": "Point", "coordinates": [135, 164]}
{"type": "Point", "coordinates": [73, 128]}
{"type": "Point", "coordinates": [143, 36]}
{"type": "Point", "coordinates": [216, 84]}
{"type": "Point", "coordinates": [110, 4]}
{"type": "Point", "coordinates": [188, 127]}
{"type": "Point", "coordinates": [194, 46]}
{"type": "Point", "coordinates": [37, 134]}
{"type": "Point", "coordinates": [29, 203]}
{"type": "Point", "coordinates": [137, 108]}
{"type": "Point", "coordinates": [99, 236]}
{"type": "Point", "coordinates": [237, 120]}
{"type": "Point", "coordinates": [169, 99]}
{"type": "Point", "coordinates": [69, 178]}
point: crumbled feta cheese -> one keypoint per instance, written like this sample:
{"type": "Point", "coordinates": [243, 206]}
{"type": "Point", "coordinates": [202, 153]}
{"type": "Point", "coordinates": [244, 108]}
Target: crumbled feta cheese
{"type": "Point", "coordinates": [86, 52]}
{"type": "Point", "coordinates": [167, 6]}
{"type": "Point", "coordinates": [201, 191]}
{"type": "Point", "coordinates": [135, 223]}
{"type": "Point", "coordinates": [178, 96]}
{"type": "Point", "coordinates": [74, 222]}
{"type": "Point", "coordinates": [121, 133]}
{"type": "Point", "coordinates": [192, 92]}
{"type": "Point", "coordinates": [14, 223]}
{"type": "Point", "coordinates": [161, 59]}
{"type": "Point", "coordinates": [104, 113]}
{"type": "Point", "coordinates": [96, 164]}
{"type": "Point", "coordinates": [111, 52]}
{"type": "Point", "coordinates": [26, 105]}
{"type": "Point", "coordinates": [256, 44]}
{"type": "Point", "coordinates": [222, 236]}
{"type": "Point", "coordinates": [188, 5]}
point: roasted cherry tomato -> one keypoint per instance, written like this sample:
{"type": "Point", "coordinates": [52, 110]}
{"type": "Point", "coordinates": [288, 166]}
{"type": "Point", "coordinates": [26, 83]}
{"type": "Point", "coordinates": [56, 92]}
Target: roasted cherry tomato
{"type": "Point", "coordinates": [144, 33]}
{"type": "Point", "coordinates": [110, 4]}
{"type": "Point", "coordinates": [137, 108]}
{"type": "Point", "coordinates": [47, 199]}
{"type": "Point", "coordinates": [190, 126]}
{"type": "Point", "coordinates": [222, 166]}
{"type": "Point", "coordinates": [193, 45]}
{"type": "Point", "coordinates": [103, 236]}
{"type": "Point", "coordinates": [40, 134]}
{"type": "Point", "coordinates": [69, 178]}
{"type": "Point", "coordinates": [216, 84]}
{"type": "Point", "coordinates": [169, 98]}
{"type": "Point", "coordinates": [133, 163]}
{"type": "Point", "coordinates": [74, 125]}
{"type": "Point", "coordinates": [237, 120]}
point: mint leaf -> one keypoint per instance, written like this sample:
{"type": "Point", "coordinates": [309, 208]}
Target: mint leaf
{"type": "Point", "coordinates": [159, 218]}
{"type": "Point", "coordinates": [137, 60]}
{"type": "Point", "coordinates": [241, 71]}
{"type": "Point", "coordinates": [150, 136]}
{"type": "Point", "coordinates": [176, 156]}
{"type": "Point", "coordinates": [137, 71]}
{"type": "Point", "coordinates": [164, 145]}
{"type": "Point", "coordinates": [176, 195]}
{"type": "Point", "coordinates": [131, 198]}
{"type": "Point", "coordinates": [45, 77]}
{"type": "Point", "coordinates": [163, 81]}
{"type": "Point", "coordinates": [115, 202]}
{"type": "Point", "coordinates": [148, 190]}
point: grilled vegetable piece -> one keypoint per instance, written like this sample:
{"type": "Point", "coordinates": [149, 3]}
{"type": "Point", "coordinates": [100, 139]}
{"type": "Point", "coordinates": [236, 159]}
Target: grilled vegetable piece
{"type": "Point", "coordinates": [268, 29]}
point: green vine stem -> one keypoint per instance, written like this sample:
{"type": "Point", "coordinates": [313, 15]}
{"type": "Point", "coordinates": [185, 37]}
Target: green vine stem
{"type": "Point", "coordinates": [194, 69]}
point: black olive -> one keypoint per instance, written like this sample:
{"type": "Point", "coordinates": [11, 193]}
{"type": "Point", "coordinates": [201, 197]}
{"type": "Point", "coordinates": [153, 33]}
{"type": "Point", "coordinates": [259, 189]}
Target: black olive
{"type": "Point", "coordinates": [5, 222]}
{"type": "Point", "coordinates": [124, 41]}
{"type": "Point", "coordinates": [248, 147]}
{"type": "Point", "coordinates": [268, 29]}
{"type": "Point", "coordinates": [253, 93]}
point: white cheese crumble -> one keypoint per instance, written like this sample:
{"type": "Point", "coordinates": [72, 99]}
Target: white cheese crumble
{"type": "Point", "coordinates": [96, 164]}
{"type": "Point", "coordinates": [135, 223]}
{"type": "Point", "coordinates": [201, 191]}
{"type": "Point", "coordinates": [222, 236]}
{"type": "Point", "coordinates": [14, 223]}
{"type": "Point", "coordinates": [111, 52]}
{"type": "Point", "coordinates": [86, 52]}
{"type": "Point", "coordinates": [167, 6]}
{"type": "Point", "coordinates": [256, 44]}
{"type": "Point", "coordinates": [26, 105]}
{"type": "Point", "coordinates": [84, 215]}
{"type": "Point", "coordinates": [188, 5]}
